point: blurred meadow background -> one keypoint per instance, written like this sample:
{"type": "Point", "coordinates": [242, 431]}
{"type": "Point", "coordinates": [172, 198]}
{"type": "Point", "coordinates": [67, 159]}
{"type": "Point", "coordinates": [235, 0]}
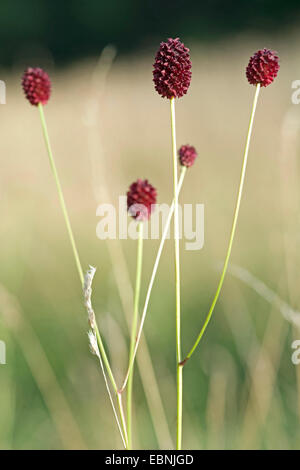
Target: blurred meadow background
{"type": "Point", "coordinates": [108, 127]}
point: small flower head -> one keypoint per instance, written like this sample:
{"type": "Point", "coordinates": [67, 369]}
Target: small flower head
{"type": "Point", "coordinates": [172, 69]}
{"type": "Point", "coordinates": [140, 199]}
{"type": "Point", "coordinates": [187, 155]}
{"type": "Point", "coordinates": [36, 85]}
{"type": "Point", "coordinates": [262, 68]}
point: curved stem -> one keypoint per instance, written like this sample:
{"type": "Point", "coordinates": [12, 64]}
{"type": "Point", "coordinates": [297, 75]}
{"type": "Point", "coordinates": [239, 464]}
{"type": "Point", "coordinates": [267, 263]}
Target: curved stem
{"type": "Point", "coordinates": [60, 193]}
{"type": "Point", "coordinates": [105, 358]}
{"type": "Point", "coordinates": [177, 279]}
{"type": "Point", "coordinates": [153, 275]}
{"type": "Point", "coordinates": [120, 425]}
{"type": "Point", "coordinates": [134, 329]}
{"type": "Point", "coordinates": [235, 218]}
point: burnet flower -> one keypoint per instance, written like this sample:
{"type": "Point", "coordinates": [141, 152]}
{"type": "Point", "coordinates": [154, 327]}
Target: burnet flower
{"type": "Point", "coordinates": [187, 155]}
{"type": "Point", "coordinates": [140, 199]}
{"type": "Point", "coordinates": [263, 67]}
{"type": "Point", "coordinates": [172, 69]}
{"type": "Point", "coordinates": [172, 77]}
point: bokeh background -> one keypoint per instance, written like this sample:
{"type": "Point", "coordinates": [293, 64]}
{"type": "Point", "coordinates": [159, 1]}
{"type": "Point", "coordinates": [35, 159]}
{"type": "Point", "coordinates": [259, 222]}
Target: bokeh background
{"type": "Point", "coordinates": [108, 127]}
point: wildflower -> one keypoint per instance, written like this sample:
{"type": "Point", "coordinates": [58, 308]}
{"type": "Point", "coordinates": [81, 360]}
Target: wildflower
{"type": "Point", "coordinates": [36, 85]}
{"type": "Point", "coordinates": [187, 155]}
{"type": "Point", "coordinates": [263, 67]}
{"type": "Point", "coordinates": [172, 69]}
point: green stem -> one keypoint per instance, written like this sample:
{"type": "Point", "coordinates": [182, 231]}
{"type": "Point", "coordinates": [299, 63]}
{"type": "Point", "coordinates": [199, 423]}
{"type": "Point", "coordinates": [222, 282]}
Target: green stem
{"type": "Point", "coordinates": [74, 248]}
{"type": "Point", "coordinates": [177, 279]}
{"type": "Point", "coordinates": [120, 425]}
{"type": "Point", "coordinates": [152, 279]}
{"type": "Point", "coordinates": [235, 218]}
{"type": "Point", "coordinates": [123, 421]}
{"type": "Point", "coordinates": [134, 329]}
{"type": "Point", "coordinates": [60, 193]}
{"type": "Point", "coordinates": [105, 358]}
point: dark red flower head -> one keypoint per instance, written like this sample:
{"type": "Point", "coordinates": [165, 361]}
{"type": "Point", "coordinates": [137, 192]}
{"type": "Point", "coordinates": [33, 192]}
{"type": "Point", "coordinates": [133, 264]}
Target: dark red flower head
{"type": "Point", "coordinates": [172, 69]}
{"type": "Point", "coordinates": [140, 198]}
{"type": "Point", "coordinates": [263, 67]}
{"type": "Point", "coordinates": [187, 155]}
{"type": "Point", "coordinates": [36, 85]}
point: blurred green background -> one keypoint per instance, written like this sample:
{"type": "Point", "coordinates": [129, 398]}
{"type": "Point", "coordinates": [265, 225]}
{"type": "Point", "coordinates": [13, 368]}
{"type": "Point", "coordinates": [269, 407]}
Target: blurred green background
{"type": "Point", "coordinates": [108, 127]}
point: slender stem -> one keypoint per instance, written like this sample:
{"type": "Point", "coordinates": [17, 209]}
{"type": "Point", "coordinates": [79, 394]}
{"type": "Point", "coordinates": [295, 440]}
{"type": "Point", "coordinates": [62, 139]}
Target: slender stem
{"type": "Point", "coordinates": [105, 359]}
{"type": "Point", "coordinates": [60, 193]}
{"type": "Point", "coordinates": [153, 275]}
{"type": "Point", "coordinates": [70, 232]}
{"type": "Point", "coordinates": [116, 253]}
{"type": "Point", "coordinates": [177, 278]}
{"type": "Point", "coordinates": [235, 218]}
{"type": "Point", "coordinates": [123, 421]}
{"type": "Point", "coordinates": [179, 378]}
{"type": "Point", "coordinates": [134, 328]}
{"type": "Point", "coordinates": [74, 248]}
{"type": "Point", "coordinates": [120, 427]}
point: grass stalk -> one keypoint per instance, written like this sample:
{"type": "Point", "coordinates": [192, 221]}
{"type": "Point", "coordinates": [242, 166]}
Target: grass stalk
{"type": "Point", "coordinates": [123, 420]}
{"type": "Point", "coordinates": [134, 328]}
{"type": "Point", "coordinates": [76, 256]}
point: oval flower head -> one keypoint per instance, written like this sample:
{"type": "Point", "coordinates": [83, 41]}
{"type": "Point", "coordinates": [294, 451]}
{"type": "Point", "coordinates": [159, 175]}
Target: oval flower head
{"type": "Point", "coordinates": [187, 155]}
{"type": "Point", "coordinates": [36, 85]}
{"type": "Point", "coordinates": [172, 69]}
{"type": "Point", "coordinates": [141, 197]}
{"type": "Point", "coordinates": [263, 67]}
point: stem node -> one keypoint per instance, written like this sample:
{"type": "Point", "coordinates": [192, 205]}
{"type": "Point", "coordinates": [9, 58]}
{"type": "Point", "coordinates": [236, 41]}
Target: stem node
{"type": "Point", "coordinates": [182, 363]}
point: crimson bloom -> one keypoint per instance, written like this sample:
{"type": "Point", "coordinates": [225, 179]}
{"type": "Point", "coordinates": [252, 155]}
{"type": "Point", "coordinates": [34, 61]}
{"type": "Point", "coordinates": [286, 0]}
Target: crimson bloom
{"type": "Point", "coordinates": [263, 67]}
{"type": "Point", "coordinates": [187, 155]}
{"type": "Point", "coordinates": [172, 69]}
{"type": "Point", "coordinates": [140, 199]}
{"type": "Point", "coordinates": [36, 85]}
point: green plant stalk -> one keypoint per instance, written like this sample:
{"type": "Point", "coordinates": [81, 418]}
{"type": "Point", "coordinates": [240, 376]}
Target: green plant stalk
{"type": "Point", "coordinates": [60, 193]}
{"type": "Point", "coordinates": [235, 218]}
{"type": "Point", "coordinates": [152, 279]}
{"type": "Point", "coordinates": [74, 248]}
{"type": "Point", "coordinates": [123, 420]}
{"type": "Point", "coordinates": [105, 358]}
{"type": "Point", "coordinates": [119, 266]}
{"type": "Point", "coordinates": [120, 425]}
{"type": "Point", "coordinates": [134, 328]}
{"type": "Point", "coordinates": [177, 280]}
